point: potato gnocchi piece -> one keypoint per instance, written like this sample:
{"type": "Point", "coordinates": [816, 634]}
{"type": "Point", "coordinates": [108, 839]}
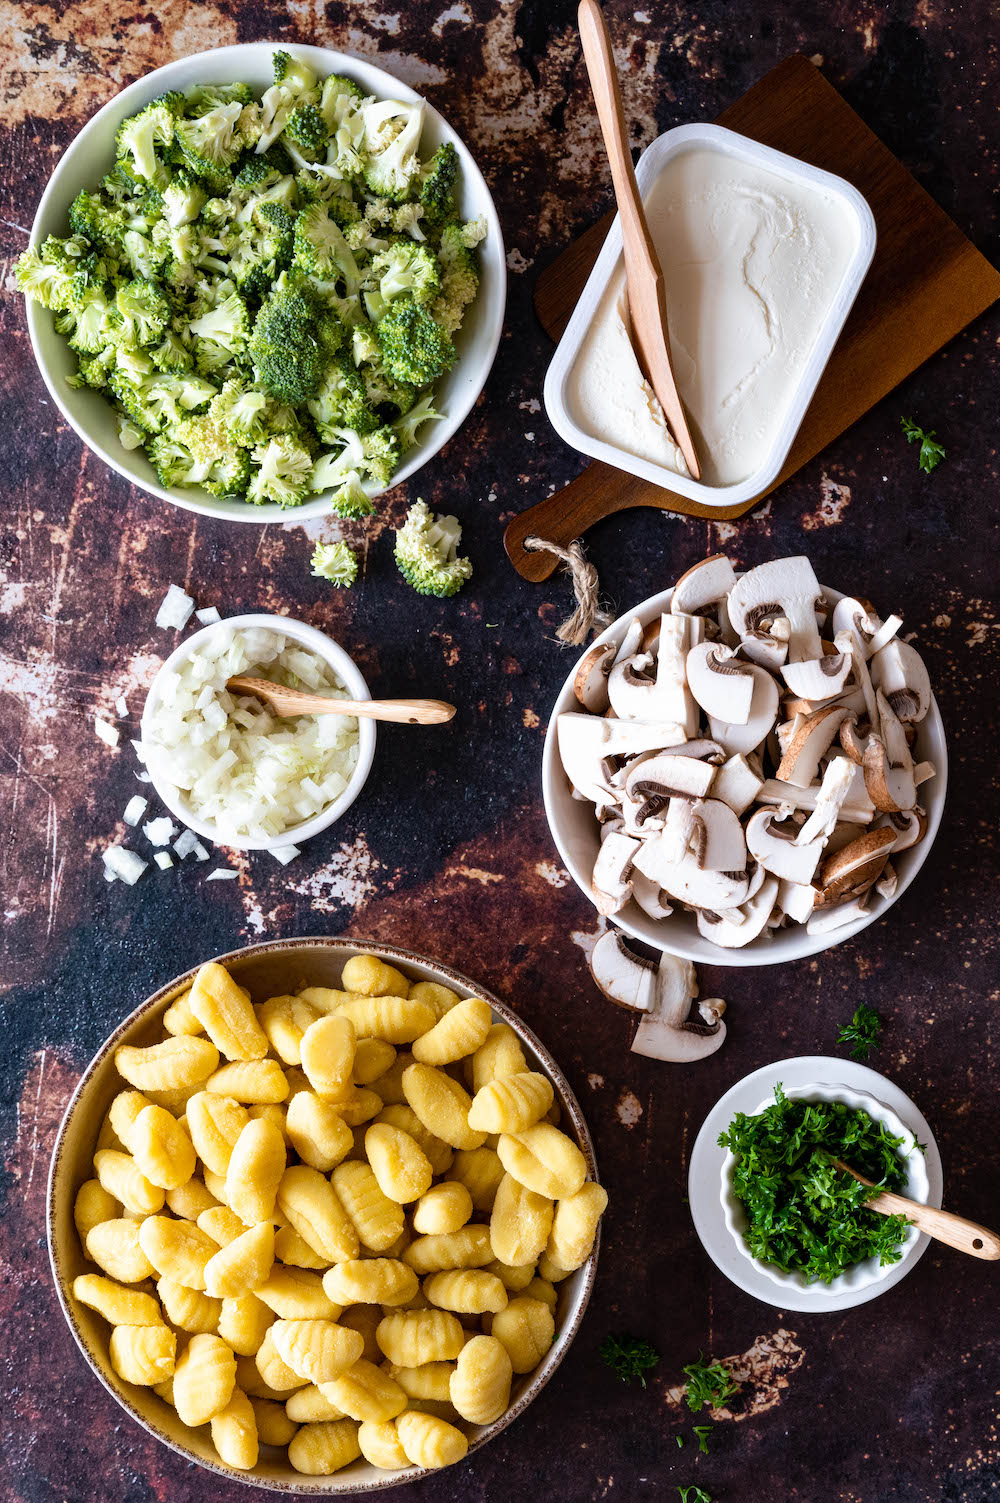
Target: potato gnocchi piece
{"type": "Point", "coordinates": [480, 1384]}
{"type": "Point", "coordinates": [360, 1106]}
{"type": "Point", "coordinates": [574, 1226]}
{"type": "Point", "coordinates": [93, 1204]}
{"type": "Point", "coordinates": [317, 1131]}
{"type": "Point", "coordinates": [242, 1265]}
{"type": "Point", "coordinates": [309, 1405]}
{"type": "Point", "coordinates": [513, 1276]}
{"type": "Point", "coordinates": [284, 1020]}
{"type": "Point", "coordinates": [429, 1441]}
{"type": "Point", "coordinates": [372, 1058]}
{"type": "Point", "coordinates": [297, 1294]}
{"type": "Point", "coordinates": [322, 1449]}
{"type": "Point", "coordinates": [189, 1309]}
{"type": "Point", "coordinates": [256, 1166]}
{"type": "Point", "coordinates": [551, 1270]}
{"type": "Point", "coordinates": [409, 1338]}
{"type": "Point", "coordinates": [364, 1281]}
{"type": "Point", "coordinates": [365, 1320]}
{"type": "Point", "coordinates": [277, 1375]}
{"type": "Point", "coordinates": [222, 1225]}
{"type": "Point", "coordinates": [143, 1354]}
{"type": "Point", "coordinates": [380, 1445]}
{"type": "Point", "coordinates": [114, 1246]}
{"type": "Point", "coordinates": [316, 1350]}
{"type": "Point", "coordinates": [441, 1104]}
{"type": "Point", "coordinates": [441, 998]}
{"type": "Point", "coordinates": [543, 1159]}
{"type": "Point", "coordinates": [244, 1321]}
{"type": "Point", "coordinates": [400, 1166]}
{"type": "Point", "coordinates": [371, 977]}
{"type": "Point", "coordinates": [122, 1178]}
{"type": "Point", "coordinates": [520, 1223]}
{"type": "Point", "coordinates": [162, 1149]}
{"type": "Point", "coordinates": [366, 1392]}
{"type": "Point", "coordinates": [540, 1288]}
{"type": "Point", "coordinates": [377, 1220]}
{"type": "Point", "coordinates": [398, 1114]}
{"type": "Point", "coordinates": [327, 1049]}
{"type": "Point", "coordinates": [480, 1171]}
{"type": "Point", "coordinates": [189, 1200]}
{"type": "Point", "coordinates": [445, 1207]}
{"type": "Point", "coordinates": [118, 1305]}
{"type": "Point", "coordinates": [390, 1084]}
{"type": "Point", "coordinates": [215, 1123]}
{"type": "Point", "coordinates": [466, 1291]}
{"type": "Point", "coordinates": [396, 1020]}
{"type": "Point", "coordinates": [462, 1030]}
{"type": "Point", "coordinates": [469, 1247]}
{"type": "Point", "coordinates": [526, 1329]}
{"type": "Point", "coordinates": [226, 1013]}
{"type": "Point", "coordinates": [499, 1055]}
{"type": "Point", "coordinates": [123, 1113]}
{"type": "Point", "coordinates": [204, 1379]}
{"type": "Point", "coordinates": [315, 1210]}
{"type": "Point", "coordinates": [274, 1428]}
{"type": "Point", "coordinates": [256, 1081]}
{"type": "Point", "coordinates": [174, 1063]}
{"type": "Point", "coordinates": [179, 1019]}
{"type": "Point", "coordinates": [178, 1250]}
{"type": "Point", "coordinates": [289, 1247]}
{"type": "Point", "coordinates": [511, 1103]}
{"type": "Point", "coordinates": [234, 1433]}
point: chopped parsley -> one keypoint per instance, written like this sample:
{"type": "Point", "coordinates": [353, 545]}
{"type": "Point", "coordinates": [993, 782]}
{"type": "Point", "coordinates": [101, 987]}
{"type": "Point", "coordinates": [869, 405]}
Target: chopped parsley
{"type": "Point", "coordinates": [863, 1032]}
{"type": "Point", "coordinates": [629, 1356]}
{"type": "Point", "coordinates": [703, 1432]}
{"type": "Point", "coordinates": [694, 1494]}
{"type": "Point", "coordinates": [803, 1214]}
{"type": "Point", "coordinates": [931, 452]}
{"type": "Point", "coordinates": [708, 1383]}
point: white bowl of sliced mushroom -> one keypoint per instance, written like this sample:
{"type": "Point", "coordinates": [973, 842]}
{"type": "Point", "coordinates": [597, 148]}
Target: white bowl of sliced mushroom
{"type": "Point", "coordinates": [746, 769]}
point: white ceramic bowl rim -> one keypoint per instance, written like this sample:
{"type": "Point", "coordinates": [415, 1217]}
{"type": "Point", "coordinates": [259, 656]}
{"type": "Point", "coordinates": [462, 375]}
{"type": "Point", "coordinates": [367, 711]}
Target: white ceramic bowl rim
{"type": "Point", "coordinates": [859, 1275]}
{"type": "Point", "coordinates": [350, 676]}
{"type": "Point", "coordinates": [565, 1334]}
{"type": "Point", "coordinates": [650, 164]}
{"type": "Point", "coordinates": [678, 934]}
{"type": "Point", "coordinates": [478, 340]}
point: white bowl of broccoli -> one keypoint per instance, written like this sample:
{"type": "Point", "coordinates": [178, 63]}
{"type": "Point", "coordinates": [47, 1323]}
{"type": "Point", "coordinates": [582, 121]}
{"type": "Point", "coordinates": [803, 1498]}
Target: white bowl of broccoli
{"type": "Point", "coordinates": [257, 301]}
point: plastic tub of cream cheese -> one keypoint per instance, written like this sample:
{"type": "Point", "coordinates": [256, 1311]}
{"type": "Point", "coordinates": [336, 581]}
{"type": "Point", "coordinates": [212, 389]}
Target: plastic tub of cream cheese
{"type": "Point", "coordinates": [762, 257]}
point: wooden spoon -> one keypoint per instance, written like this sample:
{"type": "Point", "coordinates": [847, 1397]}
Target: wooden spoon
{"type": "Point", "coordinates": [294, 702]}
{"type": "Point", "coordinates": [944, 1226]}
{"type": "Point", "coordinates": [646, 295]}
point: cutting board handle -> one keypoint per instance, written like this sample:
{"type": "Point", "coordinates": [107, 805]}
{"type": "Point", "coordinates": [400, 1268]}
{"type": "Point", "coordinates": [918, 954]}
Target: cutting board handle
{"type": "Point", "coordinates": [598, 492]}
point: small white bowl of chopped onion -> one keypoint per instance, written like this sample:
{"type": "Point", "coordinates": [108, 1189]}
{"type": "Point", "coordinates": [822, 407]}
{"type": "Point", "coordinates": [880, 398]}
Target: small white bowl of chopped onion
{"type": "Point", "coordinates": [230, 769]}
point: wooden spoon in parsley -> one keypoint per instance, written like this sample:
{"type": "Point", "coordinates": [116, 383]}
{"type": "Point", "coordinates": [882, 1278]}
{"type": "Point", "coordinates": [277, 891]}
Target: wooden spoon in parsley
{"type": "Point", "coordinates": [804, 1215]}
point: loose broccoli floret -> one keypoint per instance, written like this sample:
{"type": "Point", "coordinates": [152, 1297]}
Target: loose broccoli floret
{"type": "Point", "coordinates": [321, 251]}
{"type": "Point", "coordinates": [460, 272]}
{"type": "Point", "coordinates": [341, 402]}
{"type": "Point", "coordinates": [306, 129]}
{"type": "Point", "coordinates": [413, 347]}
{"type": "Point", "coordinates": [143, 312]}
{"type": "Point", "coordinates": [293, 74]}
{"type": "Point", "coordinates": [227, 325]}
{"type": "Point", "coordinates": [406, 427]}
{"type": "Point", "coordinates": [139, 136]}
{"type": "Point", "coordinates": [427, 552]}
{"type": "Point", "coordinates": [364, 343]}
{"type": "Point", "coordinates": [285, 472]}
{"type": "Point", "coordinates": [335, 562]}
{"type": "Point", "coordinates": [392, 135]}
{"type": "Point", "coordinates": [437, 190]}
{"type": "Point", "coordinates": [294, 338]}
{"type": "Point", "coordinates": [172, 354]}
{"type": "Point", "coordinates": [404, 268]}
{"type": "Point", "coordinates": [90, 217]}
{"type": "Point", "coordinates": [256, 174]}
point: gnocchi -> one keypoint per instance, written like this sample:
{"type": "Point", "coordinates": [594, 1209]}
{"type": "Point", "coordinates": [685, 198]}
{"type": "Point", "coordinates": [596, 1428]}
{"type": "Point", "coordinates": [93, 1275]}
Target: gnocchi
{"type": "Point", "coordinates": [354, 1207]}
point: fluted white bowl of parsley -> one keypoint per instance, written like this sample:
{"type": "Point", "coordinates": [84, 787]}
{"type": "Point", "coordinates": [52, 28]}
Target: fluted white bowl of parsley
{"type": "Point", "coordinates": [375, 209]}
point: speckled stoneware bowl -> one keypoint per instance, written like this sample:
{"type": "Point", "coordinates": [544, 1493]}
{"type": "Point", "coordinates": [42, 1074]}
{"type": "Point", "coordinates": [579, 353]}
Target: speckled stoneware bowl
{"type": "Point", "coordinates": [917, 1187]}
{"type": "Point", "coordinates": [266, 971]}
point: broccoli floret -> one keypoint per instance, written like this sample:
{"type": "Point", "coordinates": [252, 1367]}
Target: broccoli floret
{"type": "Point", "coordinates": [437, 189]}
{"type": "Point", "coordinates": [93, 371]}
{"type": "Point", "coordinates": [146, 257]}
{"type": "Point", "coordinates": [392, 135]}
{"type": "Point", "coordinates": [285, 472]}
{"type": "Point", "coordinates": [340, 97]}
{"type": "Point", "coordinates": [139, 136]}
{"type": "Point", "coordinates": [341, 402]}
{"type": "Point", "coordinates": [413, 347]}
{"type": "Point", "coordinates": [142, 312]}
{"type": "Point", "coordinates": [460, 273]}
{"type": "Point", "coordinates": [183, 200]}
{"type": "Point", "coordinates": [195, 452]}
{"type": "Point", "coordinates": [211, 142]}
{"type": "Point", "coordinates": [381, 450]}
{"type": "Point", "coordinates": [242, 413]}
{"type": "Point", "coordinates": [427, 552]}
{"type": "Point", "coordinates": [294, 338]}
{"type": "Point", "coordinates": [364, 342]}
{"type": "Point", "coordinates": [336, 562]}
{"type": "Point", "coordinates": [321, 251]}
{"type": "Point", "coordinates": [227, 325]}
{"type": "Point", "coordinates": [48, 280]}
{"type": "Point", "coordinates": [350, 499]}
{"type": "Point", "coordinates": [406, 427]}
{"type": "Point", "coordinates": [293, 74]}
{"type": "Point", "coordinates": [306, 129]}
{"type": "Point", "coordinates": [90, 217]}
{"type": "Point", "coordinates": [206, 96]}
{"type": "Point", "coordinates": [256, 174]}
{"type": "Point", "coordinates": [382, 392]}
{"type": "Point", "coordinates": [88, 323]}
{"type": "Point", "coordinates": [404, 268]}
{"type": "Point", "coordinates": [172, 354]}
{"type": "Point", "coordinates": [129, 436]}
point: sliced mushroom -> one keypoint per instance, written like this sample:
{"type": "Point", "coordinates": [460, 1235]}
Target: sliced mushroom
{"type": "Point", "coordinates": [718, 841]}
{"type": "Point", "coordinates": [736, 784]}
{"type": "Point", "coordinates": [854, 868]}
{"type": "Point", "coordinates": [649, 896]}
{"type": "Point", "coordinates": [785, 587]}
{"type": "Point", "coordinates": [678, 635]}
{"type": "Point", "coordinates": [668, 774]}
{"type": "Point", "coordinates": [610, 883]}
{"type": "Point", "coordinates": [586, 742]}
{"type": "Point", "coordinates": [746, 737]}
{"type": "Point", "coordinates": [797, 900]}
{"type": "Point", "coordinates": [861, 618]}
{"type": "Point", "coordinates": [838, 780]}
{"type": "Point", "coordinates": [858, 807]}
{"type": "Point", "coordinates": [678, 829]}
{"type": "Point", "coordinates": [591, 682]}
{"type": "Point", "coordinates": [768, 648]}
{"type": "Point", "coordinates": [899, 671]}
{"type": "Point", "coordinates": [686, 881]}
{"type": "Point", "coordinates": [669, 1032]}
{"type": "Point", "coordinates": [722, 683]}
{"type": "Point", "coordinates": [754, 915]}
{"type": "Point", "coordinates": [910, 826]}
{"type": "Point", "coordinates": [820, 677]}
{"type": "Point", "coordinates": [836, 915]}
{"type": "Point", "coordinates": [702, 585]}
{"type": "Point", "coordinates": [622, 975]}
{"type": "Point", "coordinates": [812, 740]}
{"type": "Point", "coordinates": [631, 687]}
{"type": "Point", "coordinates": [887, 764]}
{"type": "Point", "coordinates": [777, 850]}
{"type": "Point", "coordinates": [629, 645]}
{"type": "Point", "coordinates": [885, 886]}
{"type": "Point", "coordinates": [852, 738]}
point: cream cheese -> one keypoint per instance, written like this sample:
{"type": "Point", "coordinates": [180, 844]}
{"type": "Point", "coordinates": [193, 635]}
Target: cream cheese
{"type": "Point", "coordinates": [752, 262]}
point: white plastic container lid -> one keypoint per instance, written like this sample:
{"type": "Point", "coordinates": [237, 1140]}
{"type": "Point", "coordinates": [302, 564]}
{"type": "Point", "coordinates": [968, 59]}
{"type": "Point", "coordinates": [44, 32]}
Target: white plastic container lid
{"type": "Point", "coordinates": [648, 168]}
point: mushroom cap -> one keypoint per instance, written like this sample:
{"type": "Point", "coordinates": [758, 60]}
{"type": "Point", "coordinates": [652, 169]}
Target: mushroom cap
{"type": "Point", "coordinates": [670, 774]}
{"type": "Point", "coordinates": [590, 684]}
{"type": "Point", "coordinates": [836, 915]}
{"type": "Point", "coordinates": [722, 683]}
{"type": "Point", "coordinates": [766, 647]}
{"type": "Point", "coordinates": [668, 1032]}
{"type": "Point", "coordinates": [887, 764]}
{"type": "Point", "coordinates": [782, 587]}
{"type": "Point", "coordinates": [703, 584]}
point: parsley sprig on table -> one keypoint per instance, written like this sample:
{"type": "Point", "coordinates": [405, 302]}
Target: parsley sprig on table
{"type": "Point", "coordinates": [708, 1383]}
{"type": "Point", "coordinates": [629, 1356]}
{"type": "Point", "coordinates": [931, 452]}
{"type": "Point", "coordinates": [864, 1032]}
{"type": "Point", "coordinates": [694, 1494]}
{"type": "Point", "coordinates": [803, 1214]}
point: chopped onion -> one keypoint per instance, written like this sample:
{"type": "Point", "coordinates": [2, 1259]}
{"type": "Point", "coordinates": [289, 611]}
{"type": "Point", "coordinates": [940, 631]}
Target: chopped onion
{"type": "Point", "coordinates": [143, 777]}
{"type": "Point", "coordinates": [208, 616]}
{"type": "Point", "coordinates": [186, 843]}
{"type": "Point", "coordinates": [106, 732]}
{"type": "Point", "coordinates": [200, 851]}
{"type": "Point", "coordinates": [139, 750]}
{"type": "Point", "coordinates": [163, 860]}
{"type": "Point", "coordinates": [239, 766]}
{"type": "Point", "coordinates": [127, 865]}
{"type": "Point", "coordinates": [160, 831]}
{"type": "Point", "coordinates": [121, 706]}
{"type": "Point", "coordinates": [175, 608]}
{"type": "Point", "coordinates": [221, 874]}
{"type": "Point", "coordinates": [135, 809]}
{"type": "Point", "coordinates": [285, 853]}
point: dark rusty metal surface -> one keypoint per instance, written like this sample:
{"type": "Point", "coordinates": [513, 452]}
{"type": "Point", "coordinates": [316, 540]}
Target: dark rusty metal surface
{"type": "Point", "coordinates": [447, 851]}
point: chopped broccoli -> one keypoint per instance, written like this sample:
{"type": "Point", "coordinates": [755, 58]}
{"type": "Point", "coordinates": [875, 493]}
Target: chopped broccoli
{"type": "Point", "coordinates": [284, 473]}
{"type": "Point", "coordinates": [139, 136]}
{"type": "Point", "coordinates": [306, 129]}
{"type": "Point", "coordinates": [460, 273]}
{"type": "Point", "coordinates": [211, 143]}
{"type": "Point", "coordinates": [143, 312]}
{"type": "Point", "coordinates": [427, 552]}
{"type": "Point", "coordinates": [293, 74]}
{"type": "Point", "coordinates": [227, 325]}
{"type": "Point", "coordinates": [183, 200]}
{"type": "Point", "coordinates": [392, 135]}
{"type": "Point", "coordinates": [349, 499]}
{"type": "Point", "coordinates": [414, 348]}
{"type": "Point", "coordinates": [336, 562]}
{"type": "Point", "coordinates": [195, 452]}
{"type": "Point", "coordinates": [321, 250]}
{"type": "Point", "coordinates": [438, 186]}
{"type": "Point", "coordinates": [407, 425]}
{"type": "Point", "coordinates": [242, 412]}
{"type": "Point", "coordinates": [49, 281]}
{"type": "Point", "coordinates": [341, 402]}
{"type": "Point", "coordinates": [405, 267]}
{"type": "Point", "coordinates": [293, 340]}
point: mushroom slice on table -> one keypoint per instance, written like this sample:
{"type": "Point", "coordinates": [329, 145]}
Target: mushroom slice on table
{"type": "Point", "coordinates": [610, 883]}
{"type": "Point", "coordinates": [785, 587]}
{"type": "Point", "coordinates": [669, 1032]}
{"type": "Point", "coordinates": [898, 671]}
{"type": "Point", "coordinates": [591, 682]}
{"type": "Point", "coordinates": [746, 737]}
{"type": "Point", "coordinates": [887, 763]}
{"type": "Point", "coordinates": [778, 852]}
{"type": "Point", "coordinates": [704, 584]}
{"type": "Point", "coordinates": [721, 682]}
{"type": "Point", "coordinates": [622, 975]}
{"type": "Point", "coordinates": [852, 870]}
{"type": "Point", "coordinates": [732, 932]}
{"type": "Point", "coordinates": [809, 744]}
{"type": "Point", "coordinates": [737, 784]}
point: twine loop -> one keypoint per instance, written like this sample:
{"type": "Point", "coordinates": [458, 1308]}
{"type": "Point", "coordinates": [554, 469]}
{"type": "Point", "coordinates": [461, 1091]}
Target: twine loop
{"type": "Point", "coordinates": [588, 616]}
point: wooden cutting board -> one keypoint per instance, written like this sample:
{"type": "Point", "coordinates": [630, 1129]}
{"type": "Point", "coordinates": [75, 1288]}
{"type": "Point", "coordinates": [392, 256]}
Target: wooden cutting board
{"type": "Point", "coordinates": [927, 282]}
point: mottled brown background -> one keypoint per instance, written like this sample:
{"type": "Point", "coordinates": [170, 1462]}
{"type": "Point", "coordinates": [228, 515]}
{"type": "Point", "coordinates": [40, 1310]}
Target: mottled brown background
{"type": "Point", "coordinates": [448, 851]}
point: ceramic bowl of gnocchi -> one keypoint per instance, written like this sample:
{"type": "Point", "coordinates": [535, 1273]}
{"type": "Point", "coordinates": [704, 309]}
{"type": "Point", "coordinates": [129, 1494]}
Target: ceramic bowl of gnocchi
{"type": "Point", "coordinates": [323, 1218]}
